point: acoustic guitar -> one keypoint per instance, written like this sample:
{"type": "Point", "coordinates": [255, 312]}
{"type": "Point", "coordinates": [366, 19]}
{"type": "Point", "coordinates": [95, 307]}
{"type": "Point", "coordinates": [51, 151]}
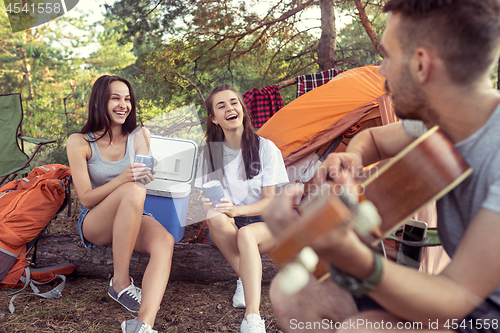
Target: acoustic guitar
{"type": "Point", "coordinates": [423, 172]}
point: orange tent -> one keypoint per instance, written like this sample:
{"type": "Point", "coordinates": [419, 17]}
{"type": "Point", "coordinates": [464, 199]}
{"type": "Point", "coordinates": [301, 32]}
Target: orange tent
{"type": "Point", "coordinates": [316, 118]}
{"type": "Point", "coordinates": [314, 124]}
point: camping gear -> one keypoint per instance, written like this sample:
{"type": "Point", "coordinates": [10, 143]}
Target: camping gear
{"type": "Point", "coordinates": [27, 206]}
{"type": "Point", "coordinates": [262, 104]}
{"type": "Point", "coordinates": [321, 121]}
{"type": "Point", "coordinates": [167, 196]}
{"type": "Point", "coordinates": [309, 82]}
{"type": "Point", "coordinates": [13, 159]}
{"type": "Point", "coordinates": [310, 127]}
{"type": "Point", "coordinates": [34, 277]}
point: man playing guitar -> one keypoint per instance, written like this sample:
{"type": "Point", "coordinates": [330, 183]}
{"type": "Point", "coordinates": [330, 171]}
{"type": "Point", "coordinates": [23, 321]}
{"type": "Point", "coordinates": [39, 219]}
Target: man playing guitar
{"type": "Point", "coordinates": [439, 56]}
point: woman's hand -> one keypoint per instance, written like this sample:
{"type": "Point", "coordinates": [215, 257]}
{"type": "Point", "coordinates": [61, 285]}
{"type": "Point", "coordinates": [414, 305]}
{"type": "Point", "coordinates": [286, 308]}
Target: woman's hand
{"type": "Point", "coordinates": [148, 178]}
{"type": "Point", "coordinates": [208, 205]}
{"type": "Point", "coordinates": [226, 207]}
{"type": "Point", "coordinates": [137, 172]}
{"type": "Point", "coordinates": [206, 202]}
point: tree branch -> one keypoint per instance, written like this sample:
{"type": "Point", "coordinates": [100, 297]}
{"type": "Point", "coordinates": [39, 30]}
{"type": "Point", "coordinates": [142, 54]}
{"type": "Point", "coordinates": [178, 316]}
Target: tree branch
{"type": "Point", "coordinates": [152, 10]}
{"type": "Point", "coordinates": [368, 27]}
{"type": "Point", "coordinates": [283, 17]}
{"type": "Point", "coordinates": [191, 83]}
{"type": "Point", "coordinates": [287, 83]}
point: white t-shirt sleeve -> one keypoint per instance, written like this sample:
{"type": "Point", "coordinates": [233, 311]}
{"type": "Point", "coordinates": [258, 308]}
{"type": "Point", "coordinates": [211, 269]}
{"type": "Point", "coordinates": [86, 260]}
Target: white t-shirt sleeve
{"type": "Point", "coordinates": [413, 128]}
{"type": "Point", "coordinates": [273, 167]}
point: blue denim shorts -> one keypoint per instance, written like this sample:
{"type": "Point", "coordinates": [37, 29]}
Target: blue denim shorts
{"type": "Point", "coordinates": [83, 213]}
{"type": "Point", "coordinates": [240, 222]}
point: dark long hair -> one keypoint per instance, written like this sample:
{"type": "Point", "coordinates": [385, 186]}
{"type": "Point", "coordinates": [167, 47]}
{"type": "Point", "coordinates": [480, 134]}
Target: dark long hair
{"type": "Point", "coordinates": [98, 117]}
{"type": "Point", "coordinates": [250, 142]}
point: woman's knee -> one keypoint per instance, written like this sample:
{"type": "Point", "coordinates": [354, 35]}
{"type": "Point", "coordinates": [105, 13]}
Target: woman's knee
{"type": "Point", "coordinates": [246, 237]}
{"type": "Point", "coordinates": [162, 243]}
{"type": "Point", "coordinates": [132, 195]}
{"type": "Point", "coordinates": [218, 222]}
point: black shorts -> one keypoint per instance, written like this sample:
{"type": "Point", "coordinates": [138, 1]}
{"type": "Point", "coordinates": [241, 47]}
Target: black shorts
{"type": "Point", "coordinates": [240, 222]}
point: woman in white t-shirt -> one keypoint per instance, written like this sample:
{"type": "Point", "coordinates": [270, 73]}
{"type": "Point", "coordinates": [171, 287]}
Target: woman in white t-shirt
{"type": "Point", "coordinates": [249, 168]}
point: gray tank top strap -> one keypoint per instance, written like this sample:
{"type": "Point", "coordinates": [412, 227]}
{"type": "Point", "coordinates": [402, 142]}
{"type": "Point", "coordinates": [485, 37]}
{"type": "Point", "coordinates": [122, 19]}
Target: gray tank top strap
{"type": "Point", "coordinates": [102, 171]}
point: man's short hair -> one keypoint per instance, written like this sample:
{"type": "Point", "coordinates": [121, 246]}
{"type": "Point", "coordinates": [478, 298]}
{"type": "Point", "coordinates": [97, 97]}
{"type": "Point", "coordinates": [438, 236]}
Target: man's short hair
{"type": "Point", "coordinates": [464, 33]}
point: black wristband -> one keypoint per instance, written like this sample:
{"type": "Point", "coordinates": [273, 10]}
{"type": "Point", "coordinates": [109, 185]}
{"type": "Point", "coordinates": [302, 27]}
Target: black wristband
{"type": "Point", "coordinates": [355, 286]}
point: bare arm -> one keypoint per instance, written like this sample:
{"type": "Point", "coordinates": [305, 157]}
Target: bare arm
{"type": "Point", "coordinates": [257, 207]}
{"type": "Point", "coordinates": [473, 274]}
{"type": "Point", "coordinates": [369, 146]}
{"type": "Point", "coordinates": [142, 140]}
{"type": "Point", "coordinates": [228, 208]}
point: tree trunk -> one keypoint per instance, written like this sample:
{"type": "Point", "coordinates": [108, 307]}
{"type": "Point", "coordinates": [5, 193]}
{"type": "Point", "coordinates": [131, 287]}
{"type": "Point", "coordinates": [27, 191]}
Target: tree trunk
{"type": "Point", "coordinates": [191, 262]}
{"type": "Point", "coordinates": [326, 44]}
{"type": "Point", "coordinates": [368, 27]}
{"type": "Point", "coordinates": [27, 74]}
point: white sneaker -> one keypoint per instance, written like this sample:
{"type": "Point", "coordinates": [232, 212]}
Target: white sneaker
{"type": "Point", "coordinates": [135, 326]}
{"type": "Point", "coordinates": [253, 324]}
{"type": "Point", "coordinates": [239, 296]}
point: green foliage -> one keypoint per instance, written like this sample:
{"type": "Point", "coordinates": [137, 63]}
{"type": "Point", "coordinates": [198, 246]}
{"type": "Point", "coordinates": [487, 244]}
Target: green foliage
{"type": "Point", "coordinates": [173, 52]}
{"type": "Point", "coordinates": [212, 43]}
{"type": "Point", "coordinates": [41, 64]}
{"type": "Point", "coordinates": [111, 55]}
{"type": "Point", "coordinates": [355, 48]}
{"type": "Point", "coordinates": [192, 44]}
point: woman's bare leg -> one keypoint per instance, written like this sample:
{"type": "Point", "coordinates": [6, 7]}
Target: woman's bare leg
{"type": "Point", "coordinates": [253, 240]}
{"type": "Point", "coordinates": [118, 220]}
{"type": "Point", "coordinates": [223, 233]}
{"type": "Point", "coordinates": [156, 241]}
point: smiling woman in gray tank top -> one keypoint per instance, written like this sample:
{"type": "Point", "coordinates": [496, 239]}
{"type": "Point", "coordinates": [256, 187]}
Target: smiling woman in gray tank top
{"type": "Point", "coordinates": [111, 189]}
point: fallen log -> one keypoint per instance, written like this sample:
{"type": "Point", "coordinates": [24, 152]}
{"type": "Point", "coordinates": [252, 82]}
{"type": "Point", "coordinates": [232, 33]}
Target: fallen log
{"type": "Point", "coordinates": [191, 262]}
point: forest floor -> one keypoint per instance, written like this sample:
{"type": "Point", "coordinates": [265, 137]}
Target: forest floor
{"type": "Point", "coordinates": [86, 307]}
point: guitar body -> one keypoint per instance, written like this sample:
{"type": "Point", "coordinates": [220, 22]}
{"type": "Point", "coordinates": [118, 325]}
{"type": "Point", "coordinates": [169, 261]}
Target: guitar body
{"type": "Point", "coordinates": [424, 171]}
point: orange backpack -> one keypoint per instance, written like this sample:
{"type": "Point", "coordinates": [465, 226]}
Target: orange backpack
{"type": "Point", "coordinates": [27, 205]}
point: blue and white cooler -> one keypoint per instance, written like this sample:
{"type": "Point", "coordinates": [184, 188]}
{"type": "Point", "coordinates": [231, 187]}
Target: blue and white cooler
{"type": "Point", "coordinates": [167, 196]}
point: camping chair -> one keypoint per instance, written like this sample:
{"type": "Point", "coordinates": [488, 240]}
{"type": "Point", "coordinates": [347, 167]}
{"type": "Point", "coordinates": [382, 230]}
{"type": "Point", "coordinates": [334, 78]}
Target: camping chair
{"type": "Point", "coordinates": [13, 159]}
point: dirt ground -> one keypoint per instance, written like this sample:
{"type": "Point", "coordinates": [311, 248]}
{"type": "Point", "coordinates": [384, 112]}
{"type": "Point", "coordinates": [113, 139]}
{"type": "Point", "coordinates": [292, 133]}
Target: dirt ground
{"type": "Point", "coordinates": [86, 307]}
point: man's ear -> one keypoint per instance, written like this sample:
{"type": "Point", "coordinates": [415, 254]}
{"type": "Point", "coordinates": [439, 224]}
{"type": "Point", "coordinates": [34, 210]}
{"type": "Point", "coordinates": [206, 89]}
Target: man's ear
{"type": "Point", "coordinates": [421, 65]}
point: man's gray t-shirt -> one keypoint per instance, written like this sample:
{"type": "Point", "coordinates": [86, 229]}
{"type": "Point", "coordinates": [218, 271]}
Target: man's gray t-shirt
{"type": "Point", "coordinates": [480, 190]}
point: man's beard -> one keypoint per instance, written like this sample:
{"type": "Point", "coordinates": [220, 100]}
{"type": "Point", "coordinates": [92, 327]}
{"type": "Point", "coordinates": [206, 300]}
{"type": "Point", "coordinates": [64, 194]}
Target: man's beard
{"type": "Point", "coordinates": [410, 102]}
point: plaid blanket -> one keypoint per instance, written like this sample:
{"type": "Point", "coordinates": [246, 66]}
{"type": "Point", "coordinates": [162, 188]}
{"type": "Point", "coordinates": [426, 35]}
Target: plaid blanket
{"type": "Point", "coordinates": [262, 104]}
{"type": "Point", "coordinates": [308, 82]}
